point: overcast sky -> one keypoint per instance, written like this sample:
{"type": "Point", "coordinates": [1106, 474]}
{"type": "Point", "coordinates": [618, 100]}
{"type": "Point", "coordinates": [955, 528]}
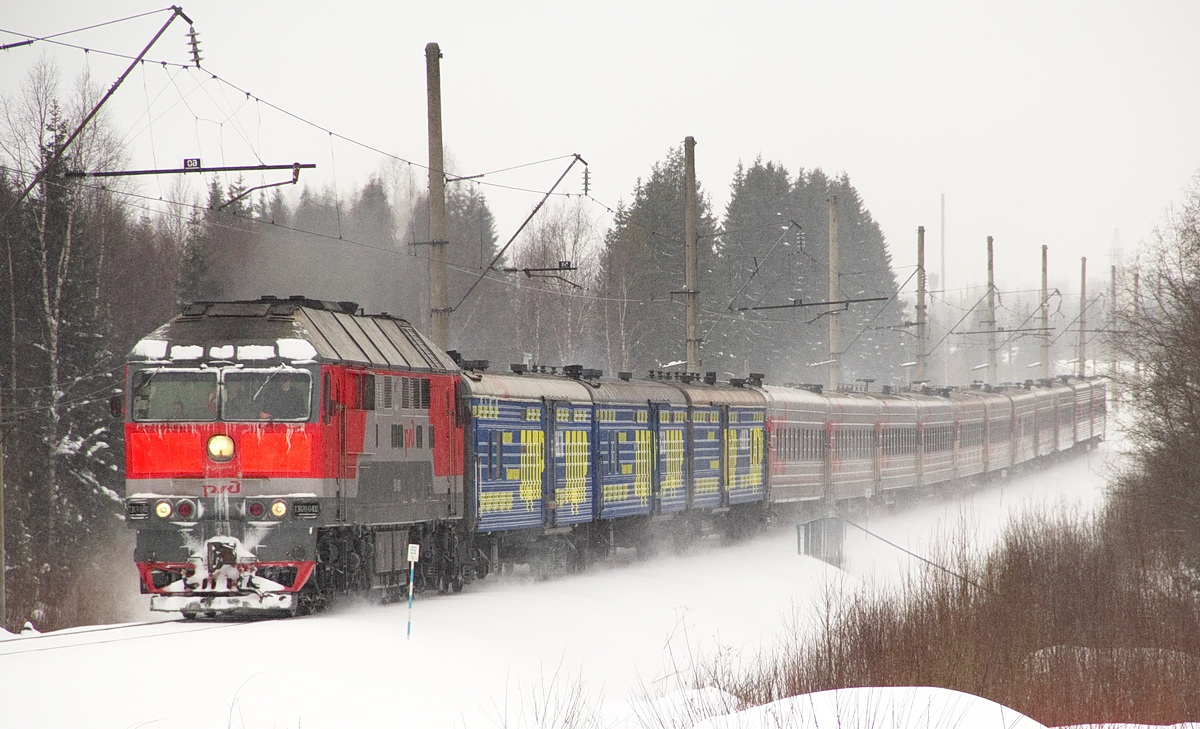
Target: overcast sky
{"type": "Point", "coordinates": [1070, 124]}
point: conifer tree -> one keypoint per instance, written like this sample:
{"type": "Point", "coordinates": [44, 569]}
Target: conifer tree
{"type": "Point", "coordinates": [643, 263]}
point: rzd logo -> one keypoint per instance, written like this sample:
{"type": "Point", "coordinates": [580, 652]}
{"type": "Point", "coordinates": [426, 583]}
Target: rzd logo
{"type": "Point", "coordinates": [233, 487]}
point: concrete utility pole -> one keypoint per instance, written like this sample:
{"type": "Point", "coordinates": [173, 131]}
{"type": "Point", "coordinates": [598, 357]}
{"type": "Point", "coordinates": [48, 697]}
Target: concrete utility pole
{"type": "Point", "coordinates": [942, 281]}
{"type": "Point", "coordinates": [1045, 316]}
{"type": "Point", "coordinates": [921, 303]}
{"type": "Point", "coordinates": [439, 311]}
{"type": "Point", "coordinates": [1112, 324]}
{"type": "Point", "coordinates": [1081, 367]}
{"type": "Point", "coordinates": [691, 292]}
{"type": "Point", "coordinates": [945, 292]}
{"type": "Point", "coordinates": [1137, 318]}
{"type": "Point", "coordinates": [835, 345]}
{"type": "Point", "coordinates": [991, 358]}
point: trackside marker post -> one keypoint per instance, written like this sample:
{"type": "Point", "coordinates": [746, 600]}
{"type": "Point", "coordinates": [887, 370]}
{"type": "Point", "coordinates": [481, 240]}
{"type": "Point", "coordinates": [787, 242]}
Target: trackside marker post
{"type": "Point", "coordinates": [414, 553]}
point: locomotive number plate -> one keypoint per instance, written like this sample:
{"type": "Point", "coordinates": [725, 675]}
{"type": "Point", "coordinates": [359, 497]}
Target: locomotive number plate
{"type": "Point", "coordinates": [306, 509]}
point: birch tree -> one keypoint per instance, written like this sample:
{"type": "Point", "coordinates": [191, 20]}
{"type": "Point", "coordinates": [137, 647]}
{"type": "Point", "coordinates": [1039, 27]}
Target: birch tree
{"type": "Point", "coordinates": [61, 472]}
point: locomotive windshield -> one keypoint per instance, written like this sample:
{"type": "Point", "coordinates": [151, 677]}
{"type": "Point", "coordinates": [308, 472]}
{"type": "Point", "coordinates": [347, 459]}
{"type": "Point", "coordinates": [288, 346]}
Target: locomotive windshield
{"type": "Point", "coordinates": [269, 395]}
{"type": "Point", "coordinates": [172, 395]}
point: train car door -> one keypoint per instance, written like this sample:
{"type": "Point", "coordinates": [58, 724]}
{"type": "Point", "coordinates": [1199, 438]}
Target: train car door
{"type": "Point", "coordinates": [728, 469]}
{"type": "Point", "coordinates": [655, 429]}
{"type": "Point", "coordinates": [550, 428]}
{"type": "Point", "coordinates": [335, 420]}
{"type": "Point", "coordinates": [705, 463]}
{"type": "Point", "coordinates": [570, 469]}
{"type": "Point", "coordinates": [744, 456]}
{"type": "Point", "coordinates": [671, 465]}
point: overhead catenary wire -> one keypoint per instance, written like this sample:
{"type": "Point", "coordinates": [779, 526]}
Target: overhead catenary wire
{"type": "Point", "coordinates": [87, 27]}
{"type": "Point", "coordinates": [261, 101]}
{"type": "Point", "coordinates": [60, 150]}
{"type": "Point", "coordinates": [247, 96]}
{"type": "Point", "coordinates": [475, 178]}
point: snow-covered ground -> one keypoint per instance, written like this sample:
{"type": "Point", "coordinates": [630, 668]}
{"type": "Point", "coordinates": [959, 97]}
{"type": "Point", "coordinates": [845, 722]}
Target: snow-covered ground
{"type": "Point", "coordinates": [511, 652]}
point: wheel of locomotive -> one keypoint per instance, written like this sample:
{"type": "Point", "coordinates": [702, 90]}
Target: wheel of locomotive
{"type": "Point", "coordinates": [364, 546]}
{"type": "Point", "coordinates": [360, 584]}
{"type": "Point", "coordinates": [309, 600]}
{"type": "Point", "coordinates": [354, 563]}
{"type": "Point", "coordinates": [328, 551]}
{"type": "Point", "coordinates": [449, 572]}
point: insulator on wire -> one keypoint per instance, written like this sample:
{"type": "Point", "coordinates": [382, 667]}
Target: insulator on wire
{"type": "Point", "coordinates": [194, 42]}
{"type": "Point", "coordinates": [586, 181]}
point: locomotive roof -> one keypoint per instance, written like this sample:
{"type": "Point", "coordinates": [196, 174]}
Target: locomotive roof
{"type": "Point", "coordinates": [271, 329]}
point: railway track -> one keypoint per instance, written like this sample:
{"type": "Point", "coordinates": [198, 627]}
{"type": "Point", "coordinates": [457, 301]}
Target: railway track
{"type": "Point", "coordinates": [102, 634]}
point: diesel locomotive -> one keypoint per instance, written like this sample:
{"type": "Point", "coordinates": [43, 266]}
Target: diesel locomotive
{"type": "Point", "coordinates": [284, 452]}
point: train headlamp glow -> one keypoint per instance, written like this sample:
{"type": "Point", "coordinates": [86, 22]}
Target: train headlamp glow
{"type": "Point", "coordinates": [220, 448]}
{"type": "Point", "coordinates": [279, 509]}
{"type": "Point", "coordinates": [162, 509]}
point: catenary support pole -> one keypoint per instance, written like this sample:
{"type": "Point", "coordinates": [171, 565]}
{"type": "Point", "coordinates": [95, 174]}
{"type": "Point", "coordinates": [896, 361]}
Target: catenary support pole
{"type": "Point", "coordinates": [944, 289]}
{"type": "Point", "coordinates": [691, 256]}
{"type": "Point", "coordinates": [1137, 320]}
{"type": "Point", "coordinates": [835, 345]}
{"type": "Point", "coordinates": [921, 304]}
{"type": "Point", "coordinates": [1081, 366]}
{"type": "Point", "coordinates": [1045, 315]}
{"type": "Point", "coordinates": [991, 353]}
{"type": "Point", "coordinates": [1112, 323]}
{"type": "Point", "coordinates": [439, 313]}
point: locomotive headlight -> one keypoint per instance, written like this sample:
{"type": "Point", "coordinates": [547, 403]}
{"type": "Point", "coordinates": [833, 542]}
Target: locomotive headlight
{"type": "Point", "coordinates": [162, 509]}
{"type": "Point", "coordinates": [220, 448]}
{"type": "Point", "coordinates": [279, 509]}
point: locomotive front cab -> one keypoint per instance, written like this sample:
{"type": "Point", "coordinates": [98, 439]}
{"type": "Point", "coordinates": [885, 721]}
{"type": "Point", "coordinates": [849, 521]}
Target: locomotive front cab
{"type": "Point", "coordinates": [266, 472]}
{"type": "Point", "coordinates": [224, 475]}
